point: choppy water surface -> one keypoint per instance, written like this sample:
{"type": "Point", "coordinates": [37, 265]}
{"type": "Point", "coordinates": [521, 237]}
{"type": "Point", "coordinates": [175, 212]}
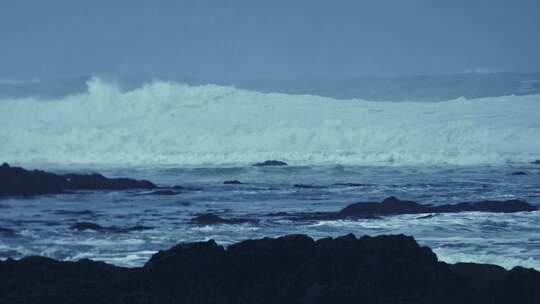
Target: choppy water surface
{"type": "Point", "coordinates": [40, 225]}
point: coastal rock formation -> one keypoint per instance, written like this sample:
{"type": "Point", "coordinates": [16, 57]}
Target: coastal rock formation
{"type": "Point", "coordinates": [394, 206]}
{"type": "Point", "coordinates": [289, 269]}
{"type": "Point", "coordinates": [18, 181]}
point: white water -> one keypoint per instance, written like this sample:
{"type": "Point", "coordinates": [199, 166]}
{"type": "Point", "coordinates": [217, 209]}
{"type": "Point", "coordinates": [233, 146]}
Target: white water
{"type": "Point", "coordinates": [170, 123]}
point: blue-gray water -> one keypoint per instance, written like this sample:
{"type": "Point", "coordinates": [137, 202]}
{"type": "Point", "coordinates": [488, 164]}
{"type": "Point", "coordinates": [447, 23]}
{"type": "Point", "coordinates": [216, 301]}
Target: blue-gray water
{"type": "Point", "coordinates": [42, 223]}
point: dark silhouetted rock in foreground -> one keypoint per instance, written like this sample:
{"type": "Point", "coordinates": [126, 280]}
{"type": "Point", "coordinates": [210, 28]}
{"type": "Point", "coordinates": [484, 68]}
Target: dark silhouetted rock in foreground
{"type": "Point", "coordinates": [290, 269]}
{"type": "Point", "coordinates": [18, 181]}
{"type": "Point", "coordinates": [83, 226]}
{"type": "Point", "coordinates": [519, 173]}
{"type": "Point", "coordinates": [270, 163]}
{"type": "Point", "coordinates": [212, 219]}
{"type": "Point", "coordinates": [232, 182]}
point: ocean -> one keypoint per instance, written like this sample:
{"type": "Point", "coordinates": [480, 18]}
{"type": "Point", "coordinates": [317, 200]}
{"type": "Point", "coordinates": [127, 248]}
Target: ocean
{"type": "Point", "coordinates": [430, 144]}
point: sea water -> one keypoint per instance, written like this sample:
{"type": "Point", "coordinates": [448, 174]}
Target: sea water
{"type": "Point", "coordinates": [197, 137]}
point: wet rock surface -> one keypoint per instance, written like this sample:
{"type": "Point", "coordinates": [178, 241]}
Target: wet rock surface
{"type": "Point", "coordinates": [289, 269]}
{"type": "Point", "coordinates": [16, 181]}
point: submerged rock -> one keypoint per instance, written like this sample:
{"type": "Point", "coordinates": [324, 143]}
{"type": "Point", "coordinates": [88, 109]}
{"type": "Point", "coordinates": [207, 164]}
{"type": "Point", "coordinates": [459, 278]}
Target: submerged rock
{"type": "Point", "coordinates": [269, 163]}
{"type": "Point", "coordinates": [232, 182]}
{"type": "Point", "coordinates": [83, 226]}
{"type": "Point", "coordinates": [212, 219]}
{"type": "Point", "coordinates": [350, 184]}
{"type": "Point", "coordinates": [289, 269]}
{"type": "Point", "coordinates": [304, 186]}
{"type": "Point", "coordinates": [18, 181]}
{"type": "Point", "coordinates": [519, 173]}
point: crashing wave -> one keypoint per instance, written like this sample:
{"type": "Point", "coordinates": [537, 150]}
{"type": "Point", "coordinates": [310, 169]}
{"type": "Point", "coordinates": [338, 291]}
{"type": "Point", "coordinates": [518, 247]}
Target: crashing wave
{"type": "Point", "coordinates": [172, 123]}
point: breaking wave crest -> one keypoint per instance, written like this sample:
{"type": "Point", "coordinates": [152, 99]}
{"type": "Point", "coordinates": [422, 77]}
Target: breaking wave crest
{"type": "Point", "coordinates": [171, 123]}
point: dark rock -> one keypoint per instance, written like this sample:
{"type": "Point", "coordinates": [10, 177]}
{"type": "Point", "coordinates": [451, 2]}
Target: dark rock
{"type": "Point", "coordinates": [212, 219]}
{"type": "Point", "coordinates": [289, 269]}
{"type": "Point", "coordinates": [519, 173]}
{"type": "Point", "coordinates": [232, 182]}
{"type": "Point", "coordinates": [536, 162]}
{"type": "Point", "coordinates": [18, 181]}
{"type": "Point", "coordinates": [304, 186]}
{"type": "Point", "coordinates": [508, 206]}
{"type": "Point", "coordinates": [350, 184]}
{"type": "Point", "coordinates": [393, 206]}
{"type": "Point", "coordinates": [269, 163]}
{"type": "Point", "coordinates": [99, 182]}
{"type": "Point", "coordinates": [83, 226]}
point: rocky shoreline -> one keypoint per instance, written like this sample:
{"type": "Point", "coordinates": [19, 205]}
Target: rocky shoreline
{"type": "Point", "coordinates": [289, 269]}
{"type": "Point", "coordinates": [17, 181]}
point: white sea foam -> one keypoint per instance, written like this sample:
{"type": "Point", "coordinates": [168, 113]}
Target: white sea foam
{"type": "Point", "coordinates": [170, 123]}
{"type": "Point", "coordinates": [501, 258]}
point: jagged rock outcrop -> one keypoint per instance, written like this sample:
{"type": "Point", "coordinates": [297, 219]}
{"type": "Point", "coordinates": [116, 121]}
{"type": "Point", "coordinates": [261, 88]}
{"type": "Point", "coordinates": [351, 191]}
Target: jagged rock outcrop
{"type": "Point", "coordinates": [289, 269]}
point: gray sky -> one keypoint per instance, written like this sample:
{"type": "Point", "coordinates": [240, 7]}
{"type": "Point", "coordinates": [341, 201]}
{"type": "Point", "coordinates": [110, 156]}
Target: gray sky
{"type": "Point", "coordinates": [266, 39]}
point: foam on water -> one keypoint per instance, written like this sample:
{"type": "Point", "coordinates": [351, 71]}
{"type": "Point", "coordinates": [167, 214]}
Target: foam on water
{"type": "Point", "coordinates": [171, 123]}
